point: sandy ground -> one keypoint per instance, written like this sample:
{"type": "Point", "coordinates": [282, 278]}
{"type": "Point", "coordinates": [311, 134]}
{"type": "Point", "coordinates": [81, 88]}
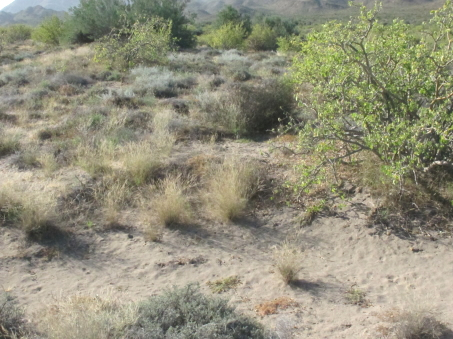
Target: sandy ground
{"type": "Point", "coordinates": [340, 252]}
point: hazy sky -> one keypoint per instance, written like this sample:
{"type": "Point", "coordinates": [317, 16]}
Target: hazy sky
{"type": "Point", "coordinates": [4, 3]}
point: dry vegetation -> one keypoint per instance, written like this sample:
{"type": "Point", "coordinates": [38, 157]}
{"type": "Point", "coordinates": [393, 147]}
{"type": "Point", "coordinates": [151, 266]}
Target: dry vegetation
{"type": "Point", "coordinates": [89, 150]}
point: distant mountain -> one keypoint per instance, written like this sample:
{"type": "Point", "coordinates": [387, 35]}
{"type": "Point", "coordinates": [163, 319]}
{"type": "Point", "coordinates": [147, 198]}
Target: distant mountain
{"type": "Point", "coordinates": [31, 16]}
{"type": "Point", "coordinates": [206, 9]}
{"type": "Point", "coordinates": [57, 5]}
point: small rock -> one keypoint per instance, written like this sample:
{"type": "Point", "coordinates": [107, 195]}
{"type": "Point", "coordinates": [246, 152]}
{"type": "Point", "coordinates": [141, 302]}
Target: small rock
{"type": "Point", "coordinates": [130, 236]}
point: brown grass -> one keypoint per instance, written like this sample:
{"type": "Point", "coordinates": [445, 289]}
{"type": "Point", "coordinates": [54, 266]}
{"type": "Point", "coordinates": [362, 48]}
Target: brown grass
{"type": "Point", "coordinates": [171, 205]}
{"type": "Point", "coordinates": [230, 187]}
{"type": "Point", "coordinates": [88, 317]}
{"type": "Point", "coordinates": [287, 260]}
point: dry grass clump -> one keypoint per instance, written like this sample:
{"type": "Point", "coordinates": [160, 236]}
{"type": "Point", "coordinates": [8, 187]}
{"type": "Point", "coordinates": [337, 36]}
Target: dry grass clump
{"type": "Point", "coordinates": [171, 205]}
{"type": "Point", "coordinates": [419, 322]}
{"type": "Point", "coordinates": [113, 194]}
{"type": "Point", "coordinates": [95, 158]}
{"type": "Point", "coordinates": [140, 161]}
{"type": "Point", "coordinates": [9, 204]}
{"type": "Point", "coordinates": [229, 188]}
{"type": "Point", "coordinates": [37, 216]}
{"type": "Point", "coordinates": [287, 260]}
{"type": "Point", "coordinates": [48, 163]}
{"type": "Point", "coordinates": [9, 143]}
{"type": "Point", "coordinates": [88, 317]}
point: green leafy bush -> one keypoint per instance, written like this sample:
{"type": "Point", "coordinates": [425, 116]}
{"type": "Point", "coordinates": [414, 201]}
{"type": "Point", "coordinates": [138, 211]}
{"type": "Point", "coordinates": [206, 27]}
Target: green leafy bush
{"type": "Point", "coordinates": [186, 313]}
{"type": "Point", "coordinates": [49, 31]}
{"type": "Point", "coordinates": [262, 38]}
{"type": "Point", "coordinates": [228, 36]}
{"type": "Point", "coordinates": [288, 44]}
{"type": "Point", "coordinates": [378, 88]}
{"type": "Point", "coordinates": [140, 44]}
{"type": "Point", "coordinates": [15, 33]}
{"type": "Point", "coordinates": [230, 15]}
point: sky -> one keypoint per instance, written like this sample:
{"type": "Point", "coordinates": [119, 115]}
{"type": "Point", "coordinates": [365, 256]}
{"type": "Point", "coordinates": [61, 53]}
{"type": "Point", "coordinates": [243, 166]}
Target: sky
{"type": "Point", "coordinates": [4, 3]}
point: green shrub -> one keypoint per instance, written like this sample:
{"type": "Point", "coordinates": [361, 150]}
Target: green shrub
{"type": "Point", "coordinates": [262, 38]}
{"type": "Point", "coordinates": [15, 33]}
{"type": "Point", "coordinates": [139, 44]}
{"type": "Point", "coordinates": [49, 31]}
{"type": "Point", "coordinates": [288, 44]}
{"type": "Point", "coordinates": [379, 88]}
{"type": "Point", "coordinates": [227, 36]}
{"type": "Point", "coordinates": [186, 313]}
{"type": "Point", "coordinates": [230, 15]}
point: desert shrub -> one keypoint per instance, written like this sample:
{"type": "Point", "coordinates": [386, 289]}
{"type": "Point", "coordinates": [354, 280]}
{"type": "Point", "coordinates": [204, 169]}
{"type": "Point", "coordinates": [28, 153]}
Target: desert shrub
{"type": "Point", "coordinates": [416, 323]}
{"type": "Point", "coordinates": [88, 317]}
{"type": "Point", "coordinates": [141, 43]}
{"type": "Point", "coordinates": [248, 109]}
{"type": "Point", "coordinates": [227, 36]}
{"type": "Point", "coordinates": [37, 217]}
{"type": "Point", "coordinates": [230, 15]}
{"type": "Point", "coordinates": [49, 31]}
{"type": "Point", "coordinates": [233, 57]}
{"type": "Point", "coordinates": [378, 88]}
{"type": "Point", "coordinates": [171, 205]}
{"type": "Point", "coordinates": [15, 33]}
{"type": "Point", "coordinates": [17, 77]}
{"type": "Point", "coordinates": [9, 205]}
{"type": "Point", "coordinates": [230, 187]}
{"type": "Point", "coordinates": [287, 44]}
{"type": "Point", "coordinates": [170, 10]}
{"type": "Point", "coordinates": [160, 82]}
{"type": "Point", "coordinates": [287, 259]}
{"type": "Point", "coordinates": [186, 313]}
{"type": "Point", "coordinates": [262, 38]}
{"type": "Point", "coordinates": [12, 321]}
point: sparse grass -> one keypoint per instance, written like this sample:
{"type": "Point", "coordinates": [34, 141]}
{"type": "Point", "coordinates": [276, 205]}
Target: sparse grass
{"type": "Point", "coordinates": [171, 204]}
{"type": "Point", "coordinates": [356, 296]}
{"type": "Point", "coordinates": [230, 187]}
{"type": "Point", "coordinates": [224, 285]}
{"type": "Point", "coordinates": [88, 317]}
{"type": "Point", "coordinates": [287, 260]}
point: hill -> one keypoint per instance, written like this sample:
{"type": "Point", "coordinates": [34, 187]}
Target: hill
{"type": "Point", "coordinates": [30, 16]}
{"type": "Point", "coordinates": [56, 5]}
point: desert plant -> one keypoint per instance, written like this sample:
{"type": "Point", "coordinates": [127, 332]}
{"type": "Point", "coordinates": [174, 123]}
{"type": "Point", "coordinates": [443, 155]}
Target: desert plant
{"type": "Point", "coordinates": [186, 313]}
{"type": "Point", "coordinates": [49, 31]}
{"type": "Point", "coordinates": [88, 317]}
{"type": "Point", "coordinates": [287, 260]}
{"type": "Point", "coordinates": [248, 109]}
{"type": "Point", "coordinates": [95, 158]}
{"type": "Point", "coordinates": [228, 36]}
{"type": "Point", "coordinates": [418, 322]}
{"type": "Point", "coordinates": [15, 33]}
{"type": "Point", "coordinates": [171, 205]}
{"type": "Point", "coordinates": [9, 143]}
{"type": "Point", "coordinates": [262, 38]}
{"type": "Point", "coordinates": [9, 204]}
{"type": "Point", "coordinates": [230, 15]}
{"type": "Point", "coordinates": [37, 217]}
{"type": "Point", "coordinates": [12, 321]}
{"type": "Point", "coordinates": [138, 44]}
{"type": "Point", "coordinates": [378, 88]}
{"type": "Point", "coordinates": [224, 285]}
{"type": "Point", "coordinates": [229, 188]}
